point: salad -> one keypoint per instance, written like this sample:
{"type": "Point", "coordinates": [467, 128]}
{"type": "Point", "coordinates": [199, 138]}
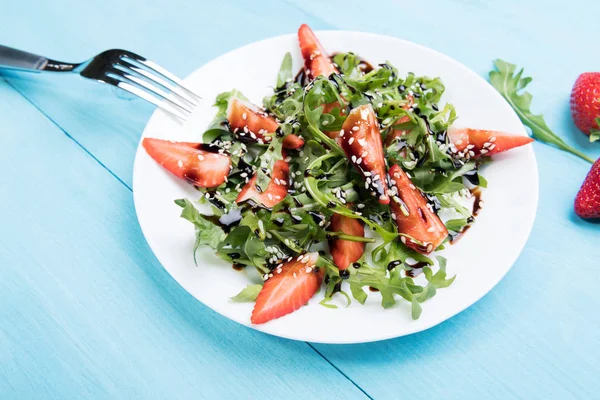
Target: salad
{"type": "Point", "coordinates": [348, 179]}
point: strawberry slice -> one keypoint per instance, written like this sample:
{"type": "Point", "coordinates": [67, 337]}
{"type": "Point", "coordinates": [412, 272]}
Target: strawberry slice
{"type": "Point", "coordinates": [276, 191]}
{"type": "Point", "coordinates": [361, 141]}
{"type": "Point", "coordinates": [189, 161]}
{"type": "Point", "coordinates": [290, 287]}
{"type": "Point", "coordinates": [345, 252]}
{"type": "Point", "coordinates": [413, 214]}
{"type": "Point", "coordinates": [293, 142]}
{"type": "Point", "coordinates": [249, 121]}
{"type": "Point", "coordinates": [472, 143]}
{"type": "Point", "coordinates": [316, 59]}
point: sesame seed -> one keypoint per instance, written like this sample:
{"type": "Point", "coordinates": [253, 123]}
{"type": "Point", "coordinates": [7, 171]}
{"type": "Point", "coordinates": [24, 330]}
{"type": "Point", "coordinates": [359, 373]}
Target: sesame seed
{"type": "Point", "coordinates": [431, 229]}
{"type": "Point", "coordinates": [367, 173]}
{"type": "Point", "coordinates": [270, 196]}
{"type": "Point", "coordinates": [360, 205]}
{"type": "Point", "coordinates": [244, 116]}
{"type": "Point", "coordinates": [288, 159]}
{"type": "Point", "coordinates": [403, 239]}
{"type": "Point", "coordinates": [364, 154]}
{"type": "Point", "coordinates": [180, 164]}
{"type": "Point", "coordinates": [470, 146]}
{"type": "Point", "coordinates": [351, 140]}
{"type": "Point", "coordinates": [353, 159]}
{"type": "Point", "coordinates": [200, 157]}
{"type": "Point", "coordinates": [429, 247]}
{"type": "Point", "coordinates": [355, 128]}
{"type": "Point", "coordinates": [308, 269]}
{"type": "Point", "coordinates": [244, 174]}
{"type": "Point", "coordinates": [252, 135]}
{"type": "Point", "coordinates": [246, 129]}
{"type": "Point", "coordinates": [459, 142]}
{"type": "Point", "coordinates": [483, 151]}
{"type": "Point", "coordinates": [393, 216]}
{"type": "Point", "coordinates": [295, 275]}
{"type": "Point", "coordinates": [492, 139]}
{"type": "Point", "coordinates": [492, 147]}
{"type": "Point", "coordinates": [342, 133]}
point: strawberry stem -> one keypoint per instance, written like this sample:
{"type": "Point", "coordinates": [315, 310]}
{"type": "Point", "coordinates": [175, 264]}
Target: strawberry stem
{"type": "Point", "coordinates": [351, 238]}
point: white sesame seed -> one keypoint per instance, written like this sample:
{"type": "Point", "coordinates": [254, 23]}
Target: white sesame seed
{"type": "Point", "coordinates": [459, 142]}
{"type": "Point", "coordinates": [393, 216]}
{"type": "Point", "coordinates": [270, 196]}
{"type": "Point", "coordinates": [367, 173]}
{"type": "Point", "coordinates": [360, 205]}
{"type": "Point", "coordinates": [351, 140]}
{"type": "Point", "coordinates": [492, 147]}
{"type": "Point", "coordinates": [353, 159]}
{"type": "Point", "coordinates": [355, 128]}
{"type": "Point", "coordinates": [403, 239]}
{"type": "Point", "coordinates": [200, 157]}
{"type": "Point", "coordinates": [431, 229]}
{"type": "Point", "coordinates": [492, 139]}
{"type": "Point", "coordinates": [341, 133]}
{"type": "Point", "coordinates": [308, 269]}
{"type": "Point", "coordinates": [483, 151]}
{"type": "Point", "coordinates": [246, 129]}
{"type": "Point", "coordinates": [180, 164]}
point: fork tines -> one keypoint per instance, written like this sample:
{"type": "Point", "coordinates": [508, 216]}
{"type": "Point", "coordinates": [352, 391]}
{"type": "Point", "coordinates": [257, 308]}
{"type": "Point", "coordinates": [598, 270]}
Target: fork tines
{"type": "Point", "coordinates": [151, 82]}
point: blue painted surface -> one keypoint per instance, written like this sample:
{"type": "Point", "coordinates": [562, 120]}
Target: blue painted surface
{"type": "Point", "coordinates": [86, 311]}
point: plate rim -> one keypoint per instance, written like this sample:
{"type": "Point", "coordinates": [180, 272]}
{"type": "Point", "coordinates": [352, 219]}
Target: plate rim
{"type": "Point", "coordinates": [444, 317]}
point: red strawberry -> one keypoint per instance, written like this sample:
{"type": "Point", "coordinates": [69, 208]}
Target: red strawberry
{"type": "Point", "coordinates": [316, 59]}
{"type": "Point", "coordinates": [345, 252]}
{"type": "Point", "coordinates": [585, 101]}
{"type": "Point", "coordinates": [587, 202]}
{"type": "Point", "coordinates": [293, 142]}
{"type": "Point", "coordinates": [290, 287]}
{"type": "Point", "coordinates": [189, 161]}
{"type": "Point", "coordinates": [484, 142]}
{"type": "Point", "coordinates": [249, 121]}
{"type": "Point", "coordinates": [413, 216]}
{"type": "Point", "coordinates": [276, 191]}
{"type": "Point", "coordinates": [361, 141]}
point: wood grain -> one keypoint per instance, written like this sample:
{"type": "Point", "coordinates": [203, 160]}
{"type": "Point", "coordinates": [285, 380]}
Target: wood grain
{"type": "Point", "coordinates": [66, 325]}
{"type": "Point", "coordinates": [87, 312]}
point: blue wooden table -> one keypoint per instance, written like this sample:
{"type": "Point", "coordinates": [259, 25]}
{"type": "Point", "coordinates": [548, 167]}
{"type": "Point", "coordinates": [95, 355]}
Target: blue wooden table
{"type": "Point", "coordinates": [86, 311]}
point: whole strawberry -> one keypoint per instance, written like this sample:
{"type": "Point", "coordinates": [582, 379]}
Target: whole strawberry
{"type": "Point", "coordinates": [587, 202]}
{"type": "Point", "coordinates": [585, 102]}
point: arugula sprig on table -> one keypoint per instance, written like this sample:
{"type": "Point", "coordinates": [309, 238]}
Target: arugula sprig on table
{"type": "Point", "coordinates": [510, 84]}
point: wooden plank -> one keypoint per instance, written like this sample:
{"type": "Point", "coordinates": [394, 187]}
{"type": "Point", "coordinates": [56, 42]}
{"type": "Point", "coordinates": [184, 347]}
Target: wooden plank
{"type": "Point", "coordinates": [105, 121]}
{"type": "Point", "coordinates": [87, 312]}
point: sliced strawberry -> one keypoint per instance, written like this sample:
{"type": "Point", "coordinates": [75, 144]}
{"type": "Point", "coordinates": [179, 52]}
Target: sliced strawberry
{"type": "Point", "coordinates": [293, 142]}
{"type": "Point", "coordinates": [276, 191]}
{"type": "Point", "coordinates": [361, 141]}
{"type": "Point", "coordinates": [475, 142]}
{"type": "Point", "coordinates": [345, 252]}
{"type": "Point", "coordinates": [249, 121]}
{"type": "Point", "coordinates": [290, 287]}
{"type": "Point", "coordinates": [413, 215]}
{"type": "Point", "coordinates": [189, 161]}
{"type": "Point", "coordinates": [316, 59]}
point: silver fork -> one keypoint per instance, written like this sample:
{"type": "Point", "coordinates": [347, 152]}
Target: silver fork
{"type": "Point", "coordinates": [121, 68]}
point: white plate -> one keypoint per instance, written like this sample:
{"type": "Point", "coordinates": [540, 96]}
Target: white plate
{"type": "Point", "coordinates": [480, 259]}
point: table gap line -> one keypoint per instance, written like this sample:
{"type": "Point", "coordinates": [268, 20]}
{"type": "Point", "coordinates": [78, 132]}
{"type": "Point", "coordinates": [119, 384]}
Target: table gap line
{"type": "Point", "coordinates": [82, 147]}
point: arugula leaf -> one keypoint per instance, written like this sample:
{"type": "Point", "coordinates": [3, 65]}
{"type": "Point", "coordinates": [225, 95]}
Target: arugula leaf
{"type": "Point", "coordinates": [207, 233]}
{"type": "Point", "coordinates": [416, 309]}
{"type": "Point", "coordinates": [249, 293]}
{"type": "Point", "coordinates": [285, 72]}
{"type": "Point", "coordinates": [509, 84]}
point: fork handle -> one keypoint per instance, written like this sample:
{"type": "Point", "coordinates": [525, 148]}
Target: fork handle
{"type": "Point", "coordinates": [16, 59]}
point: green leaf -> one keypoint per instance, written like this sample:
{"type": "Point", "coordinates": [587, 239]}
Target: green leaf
{"type": "Point", "coordinates": [358, 293]}
{"type": "Point", "coordinates": [595, 133]}
{"type": "Point", "coordinates": [207, 233]}
{"type": "Point", "coordinates": [249, 293]}
{"type": "Point", "coordinates": [285, 72]}
{"type": "Point", "coordinates": [416, 309]}
{"type": "Point", "coordinates": [508, 83]}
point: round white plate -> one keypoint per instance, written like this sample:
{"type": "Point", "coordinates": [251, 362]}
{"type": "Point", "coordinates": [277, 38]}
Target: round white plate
{"type": "Point", "coordinates": [480, 259]}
